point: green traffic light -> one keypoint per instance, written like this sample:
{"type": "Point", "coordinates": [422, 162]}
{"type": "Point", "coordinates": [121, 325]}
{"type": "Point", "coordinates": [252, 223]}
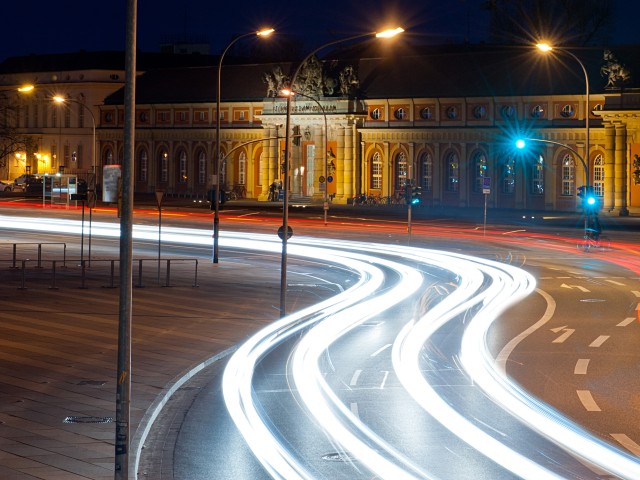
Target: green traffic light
{"type": "Point", "coordinates": [520, 144]}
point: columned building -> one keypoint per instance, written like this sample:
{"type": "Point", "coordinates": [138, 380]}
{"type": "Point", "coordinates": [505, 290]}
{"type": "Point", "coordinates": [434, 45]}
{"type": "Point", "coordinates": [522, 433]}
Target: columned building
{"type": "Point", "coordinates": [364, 126]}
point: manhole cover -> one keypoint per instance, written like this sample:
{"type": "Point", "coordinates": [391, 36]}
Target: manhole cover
{"type": "Point", "coordinates": [339, 457]}
{"type": "Point", "coordinates": [88, 419]}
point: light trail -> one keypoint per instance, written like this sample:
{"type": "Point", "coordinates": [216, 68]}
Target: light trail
{"type": "Point", "coordinates": [485, 287]}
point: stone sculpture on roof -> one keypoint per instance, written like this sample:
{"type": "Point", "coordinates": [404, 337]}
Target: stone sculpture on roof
{"type": "Point", "coordinates": [616, 73]}
{"type": "Point", "coordinates": [313, 80]}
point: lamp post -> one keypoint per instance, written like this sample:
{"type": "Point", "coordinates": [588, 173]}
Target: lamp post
{"type": "Point", "coordinates": [216, 161]}
{"type": "Point", "coordinates": [324, 146]}
{"type": "Point", "coordinates": [63, 100]}
{"type": "Point", "coordinates": [520, 143]}
{"type": "Point", "coordinates": [545, 47]}
{"type": "Point", "coordinates": [285, 207]}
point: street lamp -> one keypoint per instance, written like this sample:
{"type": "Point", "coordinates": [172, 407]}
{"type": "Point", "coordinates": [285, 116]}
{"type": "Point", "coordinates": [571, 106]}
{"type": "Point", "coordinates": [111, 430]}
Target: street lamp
{"type": "Point", "coordinates": [545, 47]}
{"type": "Point", "coordinates": [285, 207]}
{"type": "Point", "coordinates": [216, 196]}
{"type": "Point", "coordinates": [325, 148]}
{"type": "Point", "coordinates": [63, 100]}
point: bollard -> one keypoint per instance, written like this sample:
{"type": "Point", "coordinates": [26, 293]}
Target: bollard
{"type": "Point", "coordinates": [195, 279]}
{"type": "Point", "coordinates": [15, 254]}
{"type": "Point", "coordinates": [53, 276]}
{"type": "Point", "coordinates": [39, 256]}
{"type": "Point", "coordinates": [113, 269]}
{"type": "Point", "coordinates": [168, 284]}
{"type": "Point", "coordinates": [22, 287]}
{"type": "Point", "coordinates": [83, 284]}
{"type": "Point", "coordinates": [139, 274]}
{"type": "Point", "coordinates": [64, 256]}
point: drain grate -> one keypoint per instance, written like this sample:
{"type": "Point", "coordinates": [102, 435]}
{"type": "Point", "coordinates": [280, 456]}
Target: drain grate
{"type": "Point", "coordinates": [87, 420]}
{"type": "Point", "coordinates": [97, 383]}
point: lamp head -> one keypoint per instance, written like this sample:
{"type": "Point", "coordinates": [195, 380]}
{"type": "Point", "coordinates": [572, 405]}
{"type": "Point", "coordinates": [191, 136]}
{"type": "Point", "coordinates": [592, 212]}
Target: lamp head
{"type": "Point", "coordinates": [390, 32]}
{"type": "Point", "coordinates": [544, 47]}
{"type": "Point", "coordinates": [265, 32]}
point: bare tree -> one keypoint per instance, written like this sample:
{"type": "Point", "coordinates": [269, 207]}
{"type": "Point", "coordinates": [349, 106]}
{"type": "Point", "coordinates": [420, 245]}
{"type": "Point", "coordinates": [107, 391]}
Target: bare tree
{"type": "Point", "coordinates": [569, 22]}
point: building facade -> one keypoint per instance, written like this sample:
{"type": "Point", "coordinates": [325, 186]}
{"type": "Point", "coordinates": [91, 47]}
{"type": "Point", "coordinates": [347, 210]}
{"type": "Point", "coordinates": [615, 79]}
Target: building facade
{"type": "Point", "coordinates": [362, 128]}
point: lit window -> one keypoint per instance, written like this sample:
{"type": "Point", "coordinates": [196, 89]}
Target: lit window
{"type": "Point", "coordinates": [537, 111]}
{"type": "Point", "coordinates": [401, 170]}
{"type": "Point", "coordinates": [427, 172]}
{"type": "Point", "coordinates": [508, 176]}
{"type": "Point", "coordinates": [143, 166]}
{"type": "Point", "coordinates": [426, 113]}
{"type": "Point", "coordinates": [537, 176]}
{"type": "Point", "coordinates": [451, 167]}
{"type": "Point", "coordinates": [375, 114]}
{"type": "Point", "coordinates": [400, 114]}
{"type": "Point", "coordinates": [164, 167]}
{"type": "Point", "coordinates": [567, 111]}
{"type": "Point", "coordinates": [183, 167]}
{"type": "Point", "coordinates": [376, 171]}
{"type": "Point", "coordinates": [568, 175]}
{"type": "Point", "coordinates": [598, 176]}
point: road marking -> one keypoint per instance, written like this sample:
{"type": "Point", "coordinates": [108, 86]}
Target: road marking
{"type": "Point", "coordinates": [615, 283]}
{"type": "Point", "coordinates": [636, 292]}
{"type": "Point", "coordinates": [627, 443]}
{"type": "Point", "coordinates": [354, 379]}
{"type": "Point", "coordinates": [581, 366]}
{"type": "Point", "coordinates": [579, 287]}
{"type": "Point", "coordinates": [587, 400]}
{"type": "Point", "coordinates": [354, 409]}
{"type": "Point", "coordinates": [380, 350]}
{"type": "Point", "coordinates": [567, 333]}
{"type": "Point", "coordinates": [384, 380]}
{"type": "Point", "coordinates": [626, 322]}
{"type": "Point", "coordinates": [599, 341]}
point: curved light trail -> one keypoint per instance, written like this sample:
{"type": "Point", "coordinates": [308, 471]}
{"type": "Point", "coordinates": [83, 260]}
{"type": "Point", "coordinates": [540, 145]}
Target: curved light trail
{"type": "Point", "coordinates": [483, 289]}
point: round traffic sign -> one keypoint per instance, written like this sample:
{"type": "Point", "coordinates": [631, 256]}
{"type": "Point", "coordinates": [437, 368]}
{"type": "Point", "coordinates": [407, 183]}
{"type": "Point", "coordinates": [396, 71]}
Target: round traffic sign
{"type": "Point", "coordinates": [330, 179]}
{"type": "Point", "coordinates": [321, 179]}
{"type": "Point", "coordinates": [281, 232]}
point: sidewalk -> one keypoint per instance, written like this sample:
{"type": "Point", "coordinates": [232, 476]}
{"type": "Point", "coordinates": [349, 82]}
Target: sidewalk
{"type": "Point", "coordinates": [58, 359]}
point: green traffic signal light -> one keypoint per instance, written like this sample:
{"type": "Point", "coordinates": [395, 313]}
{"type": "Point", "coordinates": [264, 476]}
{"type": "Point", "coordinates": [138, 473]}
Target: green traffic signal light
{"type": "Point", "coordinates": [520, 143]}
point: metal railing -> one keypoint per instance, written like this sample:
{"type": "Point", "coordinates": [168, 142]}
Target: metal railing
{"type": "Point", "coordinates": [39, 251]}
{"type": "Point", "coordinates": [109, 274]}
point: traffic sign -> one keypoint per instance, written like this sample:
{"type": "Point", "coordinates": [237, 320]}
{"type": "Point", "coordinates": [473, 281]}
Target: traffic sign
{"type": "Point", "coordinates": [321, 179]}
{"type": "Point", "coordinates": [486, 185]}
{"type": "Point", "coordinates": [281, 232]}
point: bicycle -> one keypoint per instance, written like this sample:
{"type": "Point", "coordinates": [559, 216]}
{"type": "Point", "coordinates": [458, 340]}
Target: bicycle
{"type": "Point", "coordinates": [593, 240]}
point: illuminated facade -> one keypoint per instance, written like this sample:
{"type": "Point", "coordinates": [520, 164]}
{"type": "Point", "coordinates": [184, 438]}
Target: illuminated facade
{"type": "Point", "coordinates": [445, 120]}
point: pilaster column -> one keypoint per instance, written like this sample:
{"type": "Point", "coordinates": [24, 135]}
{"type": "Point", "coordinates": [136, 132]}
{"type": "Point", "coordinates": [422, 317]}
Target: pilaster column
{"type": "Point", "coordinates": [621, 170]}
{"type": "Point", "coordinates": [609, 167]}
{"type": "Point", "coordinates": [347, 175]}
{"type": "Point", "coordinates": [319, 163]}
{"type": "Point", "coordinates": [340, 163]}
{"type": "Point", "coordinates": [387, 175]}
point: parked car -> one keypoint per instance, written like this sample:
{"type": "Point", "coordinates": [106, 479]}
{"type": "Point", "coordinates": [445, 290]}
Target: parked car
{"type": "Point", "coordinates": [6, 186]}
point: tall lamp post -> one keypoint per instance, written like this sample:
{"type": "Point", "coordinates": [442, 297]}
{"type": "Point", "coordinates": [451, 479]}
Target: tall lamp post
{"type": "Point", "coordinates": [63, 100]}
{"type": "Point", "coordinates": [216, 196]}
{"type": "Point", "coordinates": [545, 47]}
{"type": "Point", "coordinates": [285, 207]}
{"type": "Point", "coordinates": [324, 146]}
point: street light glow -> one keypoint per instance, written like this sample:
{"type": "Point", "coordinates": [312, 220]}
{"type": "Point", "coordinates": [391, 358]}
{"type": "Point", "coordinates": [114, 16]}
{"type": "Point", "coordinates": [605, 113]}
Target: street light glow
{"type": "Point", "coordinates": [26, 88]}
{"type": "Point", "coordinates": [544, 47]}
{"type": "Point", "coordinates": [390, 32]}
{"type": "Point", "coordinates": [520, 143]}
{"type": "Point", "coordinates": [265, 32]}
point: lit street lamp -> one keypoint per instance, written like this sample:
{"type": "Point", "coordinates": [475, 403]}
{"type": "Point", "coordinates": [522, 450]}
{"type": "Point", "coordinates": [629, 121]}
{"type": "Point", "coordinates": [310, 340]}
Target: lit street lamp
{"type": "Point", "coordinates": [545, 47]}
{"type": "Point", "coordinates": [62, 100]}
{"type": "Point", "coordinates": [216, 161]}
{"type": "Point", "coordinates": [285, 229]}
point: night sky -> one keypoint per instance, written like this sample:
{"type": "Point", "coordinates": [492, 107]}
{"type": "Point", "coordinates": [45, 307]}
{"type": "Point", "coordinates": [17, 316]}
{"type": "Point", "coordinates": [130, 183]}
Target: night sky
{"type": "Point", "coordinates": [41, 27]}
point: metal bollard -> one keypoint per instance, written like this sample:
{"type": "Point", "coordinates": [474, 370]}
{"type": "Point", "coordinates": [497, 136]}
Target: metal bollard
{"type": "Point", "coordinates": [22, 287]}
{"type": "Point", "coordinates": [53, 276]}
{"type": "Point", "coordinates": [168, 284]}
{"type": "Point", "coordinates": [113, 269]}
{"type": "Point", "coordinates": [39, 256]}
{"type": "Point", "coordinates": [140, 274]}
{"type": "Point", "coordinates": [195, 280]}
{"type": "Point", "coordinates": [83, 284]}
{"type": "Point", "coordinates": [15, 254]}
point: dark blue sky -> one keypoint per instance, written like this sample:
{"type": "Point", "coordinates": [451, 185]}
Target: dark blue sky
{"type": "Point", "coordinates": [71, 25]}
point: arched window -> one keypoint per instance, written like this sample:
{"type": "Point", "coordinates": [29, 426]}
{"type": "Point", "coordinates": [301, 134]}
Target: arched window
{"type": "Point", "coordinates": [143, 166]}
{"type": "Point", "coordinates": [202, 168]}
{"type": "Point", "coordinates": [401, 170]}
{"type": "Point", "coordinates": [163, 171]}
{"type": "Point", "coordinates": [376, 171]}
{"type": "Point", "coordinates": [598, 175]}
{"type": "Point", "coordinates": [451, 167]}
{"type": "Point", "coordinates": [479, 171]}
{"type": "Point", "coordinates": [183, 167]}
{"type": "Point", "coordinates": [568, 175]}
{"type": "Point", "coordinates": [242, 169]}
{"type": "Point", "coordinates": [108, 157]}
{"type": "Point", "coordinates": [426, 178]}
{"type": "Point", "coordinates": [508, 176]}
{"type": "Point", "coordinates": [537, 176]}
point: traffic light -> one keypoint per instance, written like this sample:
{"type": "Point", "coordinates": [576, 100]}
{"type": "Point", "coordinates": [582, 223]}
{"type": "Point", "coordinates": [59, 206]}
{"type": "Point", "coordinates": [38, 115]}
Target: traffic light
{"type": "Point", "coordinates": [588, 196]}
{"type": "Point", "coordinates": [416, 192]}
{"type": "Point", "coordinates": [520, 143]}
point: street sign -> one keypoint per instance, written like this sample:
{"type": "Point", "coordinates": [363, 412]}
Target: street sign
{"type": "Point", "coordinates": [321, 179]}
{"type": "Point", "coordinates": [159, 195]}
{"type": "Point", "coordinates": [330, 179]}
{"type": "Point", "coordinates": [486, 185]}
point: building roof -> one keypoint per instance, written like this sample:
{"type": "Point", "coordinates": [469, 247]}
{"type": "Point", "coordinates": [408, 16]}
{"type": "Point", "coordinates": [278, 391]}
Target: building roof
{"type": "Point", "coordinates": [432, 72]}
